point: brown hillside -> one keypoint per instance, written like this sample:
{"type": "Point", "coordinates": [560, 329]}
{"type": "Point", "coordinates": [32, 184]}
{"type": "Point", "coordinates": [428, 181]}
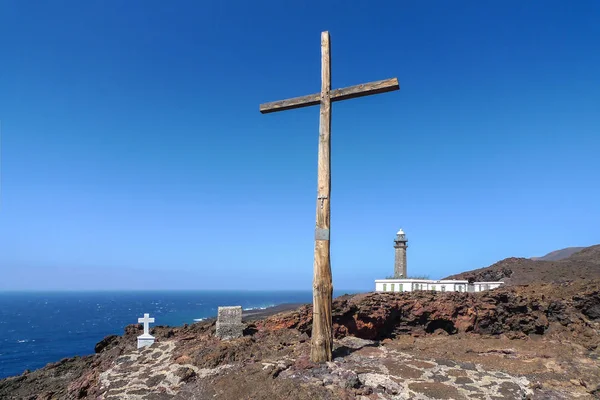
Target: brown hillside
{"type": "Point", "coordinates": [584, 264]}
{"type": "Point", "coordinates": [590, 254]}
{"type": "Point", "coordinates": [559, 254]}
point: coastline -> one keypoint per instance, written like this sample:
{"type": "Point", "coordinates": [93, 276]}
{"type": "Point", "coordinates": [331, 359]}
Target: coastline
{"type": "Point", "coordinates": [423, 344]}
{"type": "Point", "coordinates": [251, 315]}
{"type": "Point", "coordinates": [259, 313]}
{"type": "Point", "coordinates": [72, 324]}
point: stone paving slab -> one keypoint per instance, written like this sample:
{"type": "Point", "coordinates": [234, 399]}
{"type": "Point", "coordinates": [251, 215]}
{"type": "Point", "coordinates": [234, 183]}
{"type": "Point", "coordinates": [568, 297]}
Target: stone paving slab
{"type": "Point", "coordinates": [149, 374]}
{"type": "Point", "coordinates": [384, 373]}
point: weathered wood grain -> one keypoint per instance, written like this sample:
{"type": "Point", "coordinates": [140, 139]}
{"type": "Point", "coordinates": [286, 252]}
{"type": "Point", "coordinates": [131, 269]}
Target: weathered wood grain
{"type": "Point", "coordinates": [290, 104]}
{"type": "Point", "coordinates": [322, 331]}
{"type": "Point", "coordinates": [350, 92]}
{"type": "Point", "coordinates": [365, 89]}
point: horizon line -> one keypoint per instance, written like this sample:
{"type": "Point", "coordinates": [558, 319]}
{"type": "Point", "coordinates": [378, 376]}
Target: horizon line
{"type": "Point", "coordinates": [162, 290]}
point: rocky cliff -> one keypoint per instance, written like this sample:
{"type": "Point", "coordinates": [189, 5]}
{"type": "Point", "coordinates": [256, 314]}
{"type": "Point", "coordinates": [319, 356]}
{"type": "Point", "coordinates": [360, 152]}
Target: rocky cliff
{"type": "Point", "coordinates": [538, 341]}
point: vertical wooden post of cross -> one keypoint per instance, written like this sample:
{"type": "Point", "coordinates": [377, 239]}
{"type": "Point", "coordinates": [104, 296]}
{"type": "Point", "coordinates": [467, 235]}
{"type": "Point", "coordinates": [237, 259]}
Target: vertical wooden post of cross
{"type": "Point", "coordinates": [322, 328]}
{"type": "Point", "coordinates": [322, 331]}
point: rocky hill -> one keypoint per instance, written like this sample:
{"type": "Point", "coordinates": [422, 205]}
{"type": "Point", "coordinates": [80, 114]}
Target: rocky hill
{"type": "Point", "coordinates": [517, 342]}
{"type": "Point", "coordinates": [583, 264]}
{"type": "Point", "coordinates": [559, 254]}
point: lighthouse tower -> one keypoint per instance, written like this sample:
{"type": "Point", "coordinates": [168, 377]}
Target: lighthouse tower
{"type": "Point", "coordinates": [400, 244]}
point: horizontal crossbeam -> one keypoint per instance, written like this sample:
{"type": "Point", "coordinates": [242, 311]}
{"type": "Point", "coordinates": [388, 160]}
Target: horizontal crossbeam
{"type": "Point", "coordinates": [350, 92]}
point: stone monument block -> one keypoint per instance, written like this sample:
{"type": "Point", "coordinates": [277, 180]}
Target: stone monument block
{"type": "Point", "coordinates": [229, 323]}
{"type": "Point", "coordinates": [144, 341]}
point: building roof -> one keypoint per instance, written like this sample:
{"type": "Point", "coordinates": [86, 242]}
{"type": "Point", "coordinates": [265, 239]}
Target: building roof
{"type": "Point", "coordinates": [432, 281]}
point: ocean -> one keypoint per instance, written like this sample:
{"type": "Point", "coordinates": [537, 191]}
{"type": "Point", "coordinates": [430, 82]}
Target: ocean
{"type": "Point", "coordinates": [37, 328]}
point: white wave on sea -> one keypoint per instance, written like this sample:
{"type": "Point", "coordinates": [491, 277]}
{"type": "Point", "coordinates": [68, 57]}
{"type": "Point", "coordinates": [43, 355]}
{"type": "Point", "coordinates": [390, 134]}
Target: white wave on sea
{"type": "Point", "coordinates": [243, 309]}
{"type": "Point", "coordinates": [257, 308]}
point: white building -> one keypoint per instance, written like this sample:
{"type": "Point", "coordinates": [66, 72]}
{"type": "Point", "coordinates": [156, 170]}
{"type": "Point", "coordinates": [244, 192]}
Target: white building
{"type": "Point", "coordinates": [402, 284]}
{"type": "Point", "coordinates": [413, 285]}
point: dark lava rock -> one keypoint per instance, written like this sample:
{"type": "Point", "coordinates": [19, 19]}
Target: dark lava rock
{"type": "Point", "coordinates": [589, 305]}
{"type": "Point", "coordinates": [106, 343]}
{"type": "Point", "coordinates": [185, 374]}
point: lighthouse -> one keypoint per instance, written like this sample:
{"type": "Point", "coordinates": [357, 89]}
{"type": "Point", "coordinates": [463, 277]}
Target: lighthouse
{"type": "Point", "coordinates": [400, 282]}
{"type": "Point", "coordinates": [400, 245]}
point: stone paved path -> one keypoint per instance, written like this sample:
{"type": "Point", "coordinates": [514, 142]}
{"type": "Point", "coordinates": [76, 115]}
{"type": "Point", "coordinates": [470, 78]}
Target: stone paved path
{"type": "Point", "coordinates": [149, 373]}
{"type": "Point", "coordinates": [391, 374]}
{"type": "Point", "coordinates": [362, 367]}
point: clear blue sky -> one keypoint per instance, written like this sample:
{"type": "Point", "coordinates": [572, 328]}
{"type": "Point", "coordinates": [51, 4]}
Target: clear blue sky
{"type": "Point", "coordinates": [134, 154]}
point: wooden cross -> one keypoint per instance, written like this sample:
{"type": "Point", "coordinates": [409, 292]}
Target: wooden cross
{"type": "Point", "coordinates": [322, 331]}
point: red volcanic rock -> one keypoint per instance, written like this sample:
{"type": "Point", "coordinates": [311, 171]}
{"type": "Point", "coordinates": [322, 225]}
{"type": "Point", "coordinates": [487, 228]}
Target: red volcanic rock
{"type": "Point", "coordinates": [503, 310]}
{"type": "Point", "coordinates": [79, 388]}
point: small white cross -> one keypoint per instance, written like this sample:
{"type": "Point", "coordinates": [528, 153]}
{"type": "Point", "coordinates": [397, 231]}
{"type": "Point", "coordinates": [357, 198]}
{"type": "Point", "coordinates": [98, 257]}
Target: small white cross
{"type": "Point", "coordinates": [146, 321]}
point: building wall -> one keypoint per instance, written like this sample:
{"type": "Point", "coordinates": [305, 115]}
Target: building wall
{"type": "Point", "coordinates": [411, 285]}
{"type": "Point", "coordinates": [400, 261]}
